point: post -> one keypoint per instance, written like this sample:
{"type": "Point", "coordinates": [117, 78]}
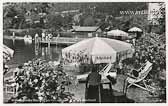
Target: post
{"type": "Point", "coordinates": [48, 40]}
{"type": "Point", "coordinates": [13, 34]}
{"type": "Point", "coordinates": [48, 44]}
{"type": "Point", "coordinates": [99, 94]}
{"type": "Point", "coordinates": [111, 89]}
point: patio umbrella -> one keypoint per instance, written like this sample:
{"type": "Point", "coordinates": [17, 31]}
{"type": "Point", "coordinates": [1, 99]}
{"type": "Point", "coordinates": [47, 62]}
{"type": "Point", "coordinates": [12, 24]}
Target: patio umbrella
{"type": "Point", "coordinates": [135, 29]}
{"type": "Point", "coordinates": [117, 33]}
{"type": "Point", "coordinates": [7, 53]}
{"type": "Point", "coordinates": [97, 50]}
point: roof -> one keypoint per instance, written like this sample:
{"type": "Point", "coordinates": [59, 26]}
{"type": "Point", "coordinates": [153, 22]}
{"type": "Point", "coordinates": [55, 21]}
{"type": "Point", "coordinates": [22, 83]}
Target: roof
{"type": "Point", "coordinates": [70, 11]}
{"type": "Point", "coordinates": [85, 28]}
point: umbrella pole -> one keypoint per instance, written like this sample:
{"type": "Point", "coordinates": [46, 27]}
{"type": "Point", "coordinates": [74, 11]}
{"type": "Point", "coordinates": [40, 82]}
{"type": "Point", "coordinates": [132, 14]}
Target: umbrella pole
{"type": "Point", "coordinates": [99, 90]}
{"type": "Point", "coordinates": [99, 94]}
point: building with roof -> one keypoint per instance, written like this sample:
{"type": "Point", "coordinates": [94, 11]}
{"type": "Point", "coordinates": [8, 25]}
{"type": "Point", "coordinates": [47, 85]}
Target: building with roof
{"type": "Point", "coordinates": [87, 31]}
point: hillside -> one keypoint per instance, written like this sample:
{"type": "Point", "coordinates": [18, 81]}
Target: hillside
{"type": "Point", "coordinates": [59, 16]}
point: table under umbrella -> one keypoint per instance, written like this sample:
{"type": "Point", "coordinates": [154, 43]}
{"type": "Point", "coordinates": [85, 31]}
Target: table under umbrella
{"type": "Point", "coordinates": [98, 50]}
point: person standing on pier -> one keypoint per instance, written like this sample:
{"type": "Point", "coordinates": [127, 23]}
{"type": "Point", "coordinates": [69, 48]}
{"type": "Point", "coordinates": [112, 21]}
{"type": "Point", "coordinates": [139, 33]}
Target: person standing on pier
{"type": "Point", "coordinates": [43, 36]}
{"type": "Point", "coordinates": [46, 37]}
{"type": "Point", "coordinates": [13, 34]}
{"type": "Point", "coordinates": [36, 38]}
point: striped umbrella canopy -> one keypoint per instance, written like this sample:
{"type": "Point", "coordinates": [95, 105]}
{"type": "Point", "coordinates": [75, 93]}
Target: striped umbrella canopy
{"type": "Point", "coordinates": [97, 50]}
{"type": "Point", "coordinates": [117, 32]}
{"type": "Point", "coordinates": [135, 29]}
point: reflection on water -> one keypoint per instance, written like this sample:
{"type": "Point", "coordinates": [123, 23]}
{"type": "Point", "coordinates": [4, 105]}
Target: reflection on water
{"type": "Point", "coordinates": [27, 42]}
{"type": "Point", "coordinates": [27, 50]}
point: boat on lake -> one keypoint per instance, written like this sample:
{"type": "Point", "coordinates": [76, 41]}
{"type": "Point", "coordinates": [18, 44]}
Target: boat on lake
{"type": "Point", "coordinates": [28, 39]}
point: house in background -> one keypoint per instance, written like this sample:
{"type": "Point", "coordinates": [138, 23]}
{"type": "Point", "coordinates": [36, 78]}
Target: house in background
{"type": "Point", "coordinates": [86, 31]}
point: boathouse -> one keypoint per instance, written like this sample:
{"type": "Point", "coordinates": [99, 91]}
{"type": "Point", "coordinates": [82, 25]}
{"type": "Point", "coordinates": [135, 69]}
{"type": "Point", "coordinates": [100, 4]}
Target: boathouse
{"type": "Point", "coordinates": [87, 31]}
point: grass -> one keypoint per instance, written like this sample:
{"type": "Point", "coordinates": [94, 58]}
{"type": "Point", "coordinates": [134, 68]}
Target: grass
{"type": "Point", "coordinates": [134, 94]}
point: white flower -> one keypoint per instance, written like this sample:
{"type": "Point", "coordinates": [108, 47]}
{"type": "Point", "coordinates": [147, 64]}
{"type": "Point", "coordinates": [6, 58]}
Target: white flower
{"type": "Point", "coordinates": [13, 84]}
{"type": "Point", "coordinates": [47, 74]}
{"type": "Point", "coordinates": [47, 93]}
{"type": "Point", "coordinates": [40, 93]}
{"type": "Point", "coordinates": [24, 98]}
{"type": "Point", "coordinates": [56, 63]}
{"type": "Point", "coordinates": [30, 83]}
{"type": "Point", "coordinates": [42, 74]}
{"type": "Point", "coordinates": [43, 81]}
{"type": "Point", "coordinates": [59, 87]}
{"type": "Point", "coordinates": [27, 72]}
{"type": "Point", "coordinates": [20, 100]}
{"type": "Point", "coordinates": [54, 97]}
{"type": "Point", "coordinates": [35, 80]}
{"type": "Point", "coordinates": [50, 62]}
{"type": "Point", "coordinates": [40, 98]}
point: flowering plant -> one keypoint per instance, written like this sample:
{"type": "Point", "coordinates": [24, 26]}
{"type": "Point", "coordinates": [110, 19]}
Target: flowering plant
{"type": "Point", "coordinates": [38, 81]}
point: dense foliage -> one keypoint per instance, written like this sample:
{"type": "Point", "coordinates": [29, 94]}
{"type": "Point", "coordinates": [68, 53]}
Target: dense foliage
{"type": "Point", "coordinates": [40, 81]}
{"type": "Point", "coordinates": [151, 47]}
{"type": "Point", "coordinates": [49, 15]}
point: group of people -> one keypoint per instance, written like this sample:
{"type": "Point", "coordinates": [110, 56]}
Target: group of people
{"type": "Point", "coordinates": [46, 37]}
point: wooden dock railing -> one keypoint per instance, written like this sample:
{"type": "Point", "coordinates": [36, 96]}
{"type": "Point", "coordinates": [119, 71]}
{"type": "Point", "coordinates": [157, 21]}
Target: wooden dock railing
{"type": "Point", "coordinates": [61, 40]}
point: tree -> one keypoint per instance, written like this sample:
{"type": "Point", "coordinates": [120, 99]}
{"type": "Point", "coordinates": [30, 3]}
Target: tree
{"type": "Point", "coordinates": [162, 20]}
{"type": "Point", "coordinates": [55, 21]}
{"type": "Point", "coordinates": [89, 21]}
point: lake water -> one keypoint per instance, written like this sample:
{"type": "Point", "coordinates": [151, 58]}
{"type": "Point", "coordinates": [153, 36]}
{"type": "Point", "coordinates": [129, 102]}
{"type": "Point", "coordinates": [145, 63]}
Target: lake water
{"type": "Point", "coordinates": [25, 51]}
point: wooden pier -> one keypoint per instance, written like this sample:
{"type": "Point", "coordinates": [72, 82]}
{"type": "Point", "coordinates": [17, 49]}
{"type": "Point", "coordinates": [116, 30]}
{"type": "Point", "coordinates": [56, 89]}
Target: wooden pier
{"type": "Point", "coordinates": [60, 41]}
{"type": "Point", "coordinates": [11, 37]}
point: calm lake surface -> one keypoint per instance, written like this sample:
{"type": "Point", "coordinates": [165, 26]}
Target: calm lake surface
{"type": "Point", "coordinates": [26, 50]}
